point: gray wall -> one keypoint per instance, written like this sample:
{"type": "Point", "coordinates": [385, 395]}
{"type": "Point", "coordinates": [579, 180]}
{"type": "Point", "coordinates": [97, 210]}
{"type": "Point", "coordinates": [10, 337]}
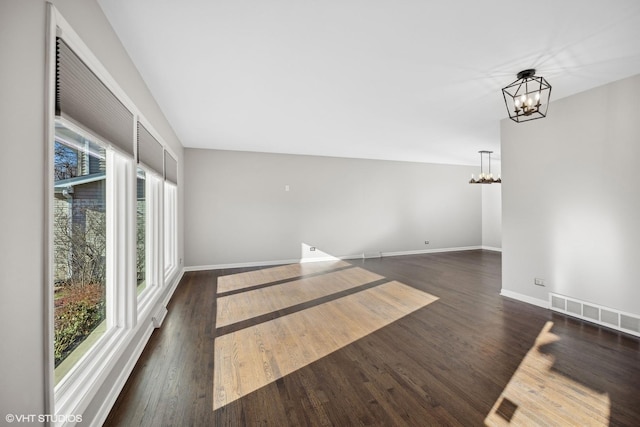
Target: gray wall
{"type": "Point", "coordinates": [571, 202]}
{"type": "Point", "coordinates": [239, 212]}
{"type": "Point", "coordinates": [22, 115]}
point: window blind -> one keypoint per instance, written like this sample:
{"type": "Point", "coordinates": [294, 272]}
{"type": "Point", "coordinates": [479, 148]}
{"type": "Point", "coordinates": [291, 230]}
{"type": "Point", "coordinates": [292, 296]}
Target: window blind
{"type": "Point", "coordinates": [170, 168]}
{"type": "Point", "coordinates": [150, 151]}
{"type": "Point", "coordinates": [85, 100]}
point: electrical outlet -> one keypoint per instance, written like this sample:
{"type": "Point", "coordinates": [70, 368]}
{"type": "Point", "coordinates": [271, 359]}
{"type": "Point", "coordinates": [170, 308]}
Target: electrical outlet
{"type": "Point", "coordinates": [426, 242]}
{"type": "Point", "coordinates": [538, 282]}
{"type": "Point", "coordinates": [312, 248]}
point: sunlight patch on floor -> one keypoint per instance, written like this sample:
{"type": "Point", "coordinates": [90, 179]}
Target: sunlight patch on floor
{"type": "Point", "coordinates": [251, 358]}
{"type": "Point", "coordinates": [539, 395]}
{"type": "Point", "coordinates": [253, 303]}
{"type": "Point", "coordinates": [248, 279]}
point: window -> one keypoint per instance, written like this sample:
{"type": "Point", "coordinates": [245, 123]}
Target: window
{"type": "Point", "coordinates": [92, 224]}
{"type": "Point", "coordinates": [79, 246]}
{"type": "Point", "coordinates": [106, 229]}
{"type": "Point", "coordinates": [170, 228]}
{"type": "Point", "coordinates": [150, 156]}
{"type": "Point", "coordinates": [170, 214]}
{"type": "Point", "coordinates": [148, 234]}
{"type": "Point", "coordinates": [141, 231]}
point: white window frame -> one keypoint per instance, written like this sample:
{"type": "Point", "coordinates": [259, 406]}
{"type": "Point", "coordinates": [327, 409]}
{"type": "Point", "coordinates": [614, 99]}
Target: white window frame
{"type": "Point", "coordinates": [81, 380]}
{"type": "Point", "coordinates": [153, 235]}
{"type": "Point", "coordinates": [170, 229]}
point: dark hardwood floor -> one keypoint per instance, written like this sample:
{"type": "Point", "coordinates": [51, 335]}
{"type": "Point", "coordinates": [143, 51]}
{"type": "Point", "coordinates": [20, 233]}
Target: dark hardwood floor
{"type": "Point", "coordinates": [445, 364]}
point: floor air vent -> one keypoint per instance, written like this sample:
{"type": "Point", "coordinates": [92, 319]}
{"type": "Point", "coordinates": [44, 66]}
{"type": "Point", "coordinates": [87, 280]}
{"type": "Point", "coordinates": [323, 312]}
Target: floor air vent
{"type": "Point", "coordinates": [558, 302]}
{"type": "Point", "coordinates": [604, 316]}
{"type": "Point", "coordinates": [630, 323]}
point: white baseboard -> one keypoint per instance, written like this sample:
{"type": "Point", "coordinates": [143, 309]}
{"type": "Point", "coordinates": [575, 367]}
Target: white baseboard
{"type": "Point", "coordinates": [524, 298]}
{"type": "Point", "coordinates": [329, 258]}
{"type": "Point", "coordinates": [268, 263]}
{"type": "Point", "coordinates": [176, 279]}
{"type": "Point", "coordinates": [240, 265]}
{"type": "Point", "coordinates": [492, 248]}
{"type": "Point", "coordinates": [431, 251]}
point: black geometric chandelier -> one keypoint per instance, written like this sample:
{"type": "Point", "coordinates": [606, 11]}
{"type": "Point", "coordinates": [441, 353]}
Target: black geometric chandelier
{"type": "Point", "coordinates": [485, 178]}
{"type": "Point", "coordinates": [528, 97]}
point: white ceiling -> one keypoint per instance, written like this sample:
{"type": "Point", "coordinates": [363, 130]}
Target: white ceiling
{"type": "Point", "coordinates": [412, 80]}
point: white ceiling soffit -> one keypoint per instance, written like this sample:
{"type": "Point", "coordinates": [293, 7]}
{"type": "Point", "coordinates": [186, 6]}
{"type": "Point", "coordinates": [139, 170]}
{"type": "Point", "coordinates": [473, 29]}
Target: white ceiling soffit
{"type": "Point", "coordinates": [409, 80]}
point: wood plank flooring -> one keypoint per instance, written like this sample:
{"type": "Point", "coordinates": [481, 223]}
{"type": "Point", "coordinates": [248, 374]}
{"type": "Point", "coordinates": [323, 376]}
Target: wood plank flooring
{"type": "Point", "coordinates": [253, 278]}
{"type": "Point", "coordinates": [253, 357]}
{"type": "Point", "coordinates": [256, 302]}
{"type": "Point", "coordinates": [471, 357]}
{"type": "Point", "coordinates": [536, 388]}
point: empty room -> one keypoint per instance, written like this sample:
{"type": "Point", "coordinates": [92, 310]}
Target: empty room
{"type": "Point", "coordinates": [242, 213]}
